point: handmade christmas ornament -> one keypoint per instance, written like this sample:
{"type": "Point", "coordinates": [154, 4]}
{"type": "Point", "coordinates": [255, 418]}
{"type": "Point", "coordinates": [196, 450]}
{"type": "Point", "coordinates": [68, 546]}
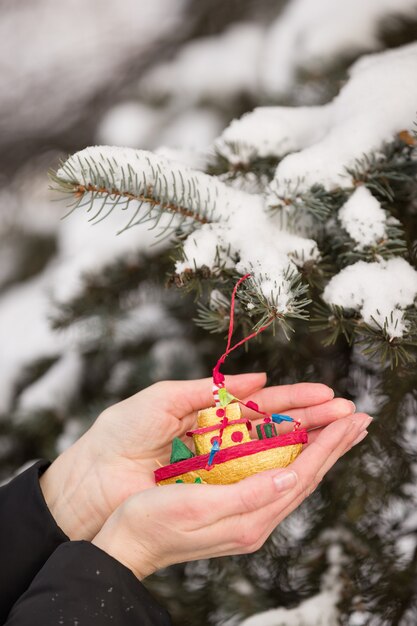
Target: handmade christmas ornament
{"type": "Point", "coordinates": [224, 450]}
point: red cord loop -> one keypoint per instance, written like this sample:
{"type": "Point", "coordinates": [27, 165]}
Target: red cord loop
{"type": "Point", "coordinates": [218, 377]}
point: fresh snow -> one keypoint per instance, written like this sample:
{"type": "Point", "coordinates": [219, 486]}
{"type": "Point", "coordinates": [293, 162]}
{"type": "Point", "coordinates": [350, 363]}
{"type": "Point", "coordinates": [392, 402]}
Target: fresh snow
{"type": "Point", "coordinates": [239, 226]}
{"type": "Point", "coordinates": [363, 218]}
{"type": "Point", "coordinates": [380, 291]}
{"type": "Point", "coordinates": [170, 180]}
{"type": "Point", "coordinates": [322, 140]}
{"type": "Point", "coordinates": [269, 254]}
{"type": "Point", "coordinates": [272, 131]}
{"type": "Point", "coordinates": [343, 130]}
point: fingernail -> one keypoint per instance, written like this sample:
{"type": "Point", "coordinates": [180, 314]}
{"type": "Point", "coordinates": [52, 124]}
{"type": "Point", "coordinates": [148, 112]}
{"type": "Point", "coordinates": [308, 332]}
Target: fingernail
{"type": "Point", "coordinates": [353, 406]}
{"type": "Point", "coordinates": [364, 423]}
{"type": "Point", "coordinates": [285, 481]}
{"type": "Point", "coordinates": [360, 437]}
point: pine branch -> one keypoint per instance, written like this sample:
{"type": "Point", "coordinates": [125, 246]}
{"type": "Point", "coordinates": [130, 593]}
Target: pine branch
{"type": "Point", "coordinates": [390, 172]}
{"type": "Point", "coordinates": [293, 203]}
{"type": "Point", "coordinates": [345, 250]}
{"type": "Point", "coordinates": [334, 321]}
{"type": "Point", "coordinates": [80, 190]}
{"type": "Point", "coordinates": [155, 190]}
{"type": "Point", "coordinates": [262, 168]}
{"type": "Point", "coordinates": [377, 344]}
{"type": "Point", "coordinates": [201, 281]}
{"type": "Point", "coordinates": [214, 321]}
{"type": "Point", "coordinates": [255, 309]}
{"type": "Point", "coordinates": [375, 341]}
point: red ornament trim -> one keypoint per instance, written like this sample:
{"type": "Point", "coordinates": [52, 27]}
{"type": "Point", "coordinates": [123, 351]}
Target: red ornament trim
{"type": "Point", "coordinates": [228, 454]}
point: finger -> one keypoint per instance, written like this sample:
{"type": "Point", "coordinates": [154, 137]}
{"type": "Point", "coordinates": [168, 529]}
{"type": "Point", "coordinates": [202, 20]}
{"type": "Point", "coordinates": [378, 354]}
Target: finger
{"type": "Point", "coordinates": [324, 450]}
{"type": "Point", "coordinates": [286, 397]}
{"type": "Point", "coordinates": [314, 434]}
{"type": "Point", "coordinates": [315, 416]}
{"type": "Point", "coordinates": [322, 414]}
{"type": "Point", "coordinates": [307, 466]}
{"type": "Point", "coordinates": [206, 504]}
{"type": "Point", "coordinates": [342, 449]}
{"type": "Point", "coordinates": [183, 397]}
{"type": "Point", "coordinates": [256, 503]}
{"type": "Point", "coordinates": [254, 527]}
{"type": "Point", "coordinates": [201, 506]}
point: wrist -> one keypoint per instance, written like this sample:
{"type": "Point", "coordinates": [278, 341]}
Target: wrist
{"type": "Point", "coordinates": [116, 541]}
{"type": "Point", "coordinates": [69, 487]}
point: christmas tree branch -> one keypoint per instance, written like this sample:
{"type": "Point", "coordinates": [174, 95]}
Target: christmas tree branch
{"type": "Point", "coordinates": [81, 190]}
{"type": "Point", "coordinates": [158, 191]}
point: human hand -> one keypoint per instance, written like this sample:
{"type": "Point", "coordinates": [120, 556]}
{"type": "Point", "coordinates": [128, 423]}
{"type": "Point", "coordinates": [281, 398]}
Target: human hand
{"type": "Point", "coordinates": [117, 456]}
{"type": "Point", "coordinates": [185, 522]}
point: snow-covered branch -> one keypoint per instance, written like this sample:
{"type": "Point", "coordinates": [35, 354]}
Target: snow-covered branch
{"type": "Point", "coordinates": [333, 174]}
{"type": "Point", "coordinates": [145, 185]}
{"type": "Point", "coordinates": [316, 145]}
{"type": "Point", "coordinates": [230, 228]}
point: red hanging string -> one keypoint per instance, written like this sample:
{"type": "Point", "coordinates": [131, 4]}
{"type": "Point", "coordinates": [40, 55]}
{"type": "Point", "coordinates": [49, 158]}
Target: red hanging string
{"type": "Point", "coordinates": [218, 377]}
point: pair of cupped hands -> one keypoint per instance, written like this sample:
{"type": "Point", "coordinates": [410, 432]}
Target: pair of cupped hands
{"type": "Point", "coordinates": [102, 488]}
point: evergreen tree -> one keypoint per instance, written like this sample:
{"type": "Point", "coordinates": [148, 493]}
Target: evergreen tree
{"type": "Point", "coordinates": [325, 227]}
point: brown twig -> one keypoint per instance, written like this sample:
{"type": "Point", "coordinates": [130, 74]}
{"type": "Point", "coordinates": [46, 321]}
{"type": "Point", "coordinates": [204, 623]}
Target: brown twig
{"type": "Point", "coordinates": [80, 190]}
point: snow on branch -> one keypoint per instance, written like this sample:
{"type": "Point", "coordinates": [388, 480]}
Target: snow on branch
{"type": "Point", "coordinates": [272, 131]}
{"type": "Point", "coordinates": [234, 230]}
{"type": "Point", "coordinates": [230, 228]}
{"type": "Point", "coordinates": [345, 159]}
{"type": "Point", "coordinates": [363, 218]}
{"type": "Point", "coordinates": [145, 185]}
{"type": "Point", "coordinates": [325, 141]}
{"type": "Point", "coordinates": [380, 292]}
{"type": "Point", "coordinates": [251, 242]}
{"type": "Point", "coordinates": [339, 169]}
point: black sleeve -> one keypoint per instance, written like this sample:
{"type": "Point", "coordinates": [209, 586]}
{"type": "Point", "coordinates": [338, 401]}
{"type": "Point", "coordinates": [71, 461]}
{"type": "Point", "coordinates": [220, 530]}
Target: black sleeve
{"type": "Point", "coordinates": [62, 582]}
{"type": "Point", "coordinates": [28, 535]}
{"type": "Point", "coordinates": [80, 585]}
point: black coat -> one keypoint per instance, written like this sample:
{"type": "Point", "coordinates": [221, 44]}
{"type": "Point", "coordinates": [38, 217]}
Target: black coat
{"type": "Point", "coordinates": [46, 580]}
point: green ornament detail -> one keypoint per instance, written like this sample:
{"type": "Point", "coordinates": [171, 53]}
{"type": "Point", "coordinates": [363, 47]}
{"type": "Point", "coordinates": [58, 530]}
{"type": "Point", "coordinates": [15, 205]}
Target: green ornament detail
{"type": "Point", "coordinates": [198, 480]}
{"type": "Point", "coordinates": [266, 431]}
{"type": "Point", "coordinates": [225, 397]}
{"type": "Point", "coordinates": [180, 452]}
